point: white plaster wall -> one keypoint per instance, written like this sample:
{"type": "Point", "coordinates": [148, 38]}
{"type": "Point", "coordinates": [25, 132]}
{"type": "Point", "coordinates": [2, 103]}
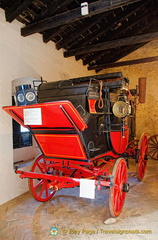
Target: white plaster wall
{"type": "Point", "coordinates": [24, 57]}
{"type": "Point", "coordinates": [26, 153]}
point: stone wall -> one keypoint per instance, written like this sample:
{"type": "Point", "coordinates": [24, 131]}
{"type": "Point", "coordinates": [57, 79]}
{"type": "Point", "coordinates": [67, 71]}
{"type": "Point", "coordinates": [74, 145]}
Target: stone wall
{"type": "Point", "coordinates": [147, 113]}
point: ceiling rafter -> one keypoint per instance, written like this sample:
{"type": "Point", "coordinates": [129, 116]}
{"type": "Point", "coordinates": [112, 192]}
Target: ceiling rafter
{"type": "Point", "coordinates": [12, 12]}
{"type": "Point", "coordinates": [124, 51]}
{"type": "Point", "coordinates": [137, 28]}
{"type": "Point", "coordinates": [112, 23]}
{"type": "Point", "coordinates": [112, 44]}
{"type": "Point", "coordinates": [55, 7]}
{"type": "Point", "coordinates": [73, 15]}
{"type": "Point", "coordinates": [53, 32]}
{"type": "Point", "coordinates": [86, 24]}
{"type": "Point", "coordinates": [112, 35]}
{"type": "Point", "coordinates": [124, 63]}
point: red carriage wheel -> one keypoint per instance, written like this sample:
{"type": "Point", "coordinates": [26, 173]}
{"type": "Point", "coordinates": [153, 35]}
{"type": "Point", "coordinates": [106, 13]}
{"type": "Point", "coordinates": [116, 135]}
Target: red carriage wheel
{"type": "Point", "coordinates": [119, 187]}
{"type": "Point", "coordinates": [153, 147]}
{"type": "Point", "coordinates": [39, 187]}
{"type": "Point", "coordinates": [142, 157]}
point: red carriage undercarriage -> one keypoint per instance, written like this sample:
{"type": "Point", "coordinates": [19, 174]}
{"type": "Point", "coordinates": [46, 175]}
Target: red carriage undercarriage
{"type": "Point", "coordinates": [83, 129]}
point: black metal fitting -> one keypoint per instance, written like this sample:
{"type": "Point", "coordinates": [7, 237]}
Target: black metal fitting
{"type": "Point", "coordinates": [125, 187]}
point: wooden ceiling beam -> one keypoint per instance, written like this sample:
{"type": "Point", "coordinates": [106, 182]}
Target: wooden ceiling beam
{"type": "Point", "coordinates": [110, 57]}
{"type": "Point", "coordinates": [111, 24]}
{"type": "Point", "coordinates": [52, 9]}
{"type": "Point", "coordinates": [126, 26]}
{"type": "Point", "coordinates": [55, 7]}
{"type": "Point", "coordinates": [136, 30]}
{"type": "Point", "coordinates": [120, 54]}
{"type": "Point", "coordinates": [52, 33]}
{"type": "Point", "coordinates": [123, 63]}
{"type": "Point", "coordinates": [13, 12]}
{"type": "Point", "coordinates": [86, 25]}
{"type": "Point", "coordinates": [73, 15]}
{"type": "Point", "coordinates": [112, 44]}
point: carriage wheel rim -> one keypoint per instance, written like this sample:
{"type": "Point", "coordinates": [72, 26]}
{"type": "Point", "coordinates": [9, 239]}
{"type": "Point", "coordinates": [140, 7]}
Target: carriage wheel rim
{"type": "Point", "coordinates": [40, 190]}
{"type": "Point", "coordinates": [117, 195]}
{"type": "Point", "coordinates": [142, 161]}
{"type": "Point", "coordinates": [153, 147]}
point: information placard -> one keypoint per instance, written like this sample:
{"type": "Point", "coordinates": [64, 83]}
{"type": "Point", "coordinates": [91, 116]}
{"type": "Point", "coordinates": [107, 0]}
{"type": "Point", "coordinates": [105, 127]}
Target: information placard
{"type": "Point", "coordinates": [87, 188]}
{"type": "Point", "coordinates": [32, 116]}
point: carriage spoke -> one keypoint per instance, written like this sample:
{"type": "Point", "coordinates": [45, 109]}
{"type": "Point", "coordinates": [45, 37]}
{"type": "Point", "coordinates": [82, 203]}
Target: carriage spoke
{"type": "Point", "coordinates": [116, 202]}
{"type": "Point", "coordinates": [47, 190]}
{"type": "Point", "coordinates": [153, 152]}
{"type": "Point", "coordinates": [38, 165]}
{"type": "Point", "coordinates": [156, 139]}
{"type": "Point", "coordinates": [153, 147]}
{"type": "Point", "coordinates": [152, 144]}
{"type": "Point", "coordinates": [42, 189]}
{"type": "Point", "coordinates": [38, 184]}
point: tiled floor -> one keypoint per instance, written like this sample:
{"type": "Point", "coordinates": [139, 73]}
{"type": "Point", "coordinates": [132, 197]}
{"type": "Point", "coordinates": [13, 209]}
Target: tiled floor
{"type": "Point", "coordinates": [24, 218]}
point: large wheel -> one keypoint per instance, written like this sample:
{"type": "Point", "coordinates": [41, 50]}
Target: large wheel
{"type": "Point", "coordinates": [153, 147]}
{"type": "Point", "coordinates": [39, 187]}
{"type": "Point", "coordinates": [142, 157]}
{"type": "Point", "coordinates": [119, 187]}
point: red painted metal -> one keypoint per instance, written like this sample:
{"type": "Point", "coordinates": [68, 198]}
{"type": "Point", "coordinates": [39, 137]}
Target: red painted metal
{"type": "Point", "coordinates": [44, 179]}
{"type": "Point", "coordinates": [48, 171]}
{"type": "Point", "coordinates": [92, 103]}
{"type": "Point", "coordinates": [50, 109]}
{"type": "Point", "coordinates": [62, 146]}
{"type": "Point", "coordinates": [119, 141]}
{"type": "Point", "coordinates": [142, 156]}
{"type": "Point", "coordinates": [117, 195]}
{"type": "Point", "coordinates": [56, 115]}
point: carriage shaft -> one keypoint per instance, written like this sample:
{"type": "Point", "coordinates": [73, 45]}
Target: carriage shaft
{"type": "Point", "coordinates": [59, 182]}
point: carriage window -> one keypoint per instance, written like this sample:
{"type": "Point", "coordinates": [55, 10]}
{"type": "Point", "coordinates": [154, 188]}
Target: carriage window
{"type": "Point", "coordinates": [22, 137]}
{"type": "Point", "coordinates": [23, 129]}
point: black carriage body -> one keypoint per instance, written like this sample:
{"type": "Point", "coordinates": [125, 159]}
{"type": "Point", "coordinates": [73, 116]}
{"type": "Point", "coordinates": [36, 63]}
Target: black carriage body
{"type": "Point", "coordinates": [85, 94]}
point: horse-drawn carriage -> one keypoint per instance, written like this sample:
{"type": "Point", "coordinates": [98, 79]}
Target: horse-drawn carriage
{"type": "Point", "coordinates": [85, 129]}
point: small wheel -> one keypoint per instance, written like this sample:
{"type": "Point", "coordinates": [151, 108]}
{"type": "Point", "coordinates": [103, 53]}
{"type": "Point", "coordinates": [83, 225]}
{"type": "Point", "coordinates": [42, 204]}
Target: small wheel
{"type": "Point", "coordinates": [142, 157]}
{"type": "Point", "coordinates": [39, 187]}
{"type": "Point", "coordinates": [153, 147]}
{"type": "Point", "coordinates": [119, 187]}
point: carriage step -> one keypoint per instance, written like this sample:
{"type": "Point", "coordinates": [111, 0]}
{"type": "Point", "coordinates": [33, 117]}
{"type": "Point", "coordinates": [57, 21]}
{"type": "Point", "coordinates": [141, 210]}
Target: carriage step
{"type": "Point", "coordinates": [91, 147]}
{"type": "Point", "coordinates": [94, 149]}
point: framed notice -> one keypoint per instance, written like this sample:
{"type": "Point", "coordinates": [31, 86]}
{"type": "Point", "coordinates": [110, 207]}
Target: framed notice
{"type": "Point", "coordinates": [32, 116]}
